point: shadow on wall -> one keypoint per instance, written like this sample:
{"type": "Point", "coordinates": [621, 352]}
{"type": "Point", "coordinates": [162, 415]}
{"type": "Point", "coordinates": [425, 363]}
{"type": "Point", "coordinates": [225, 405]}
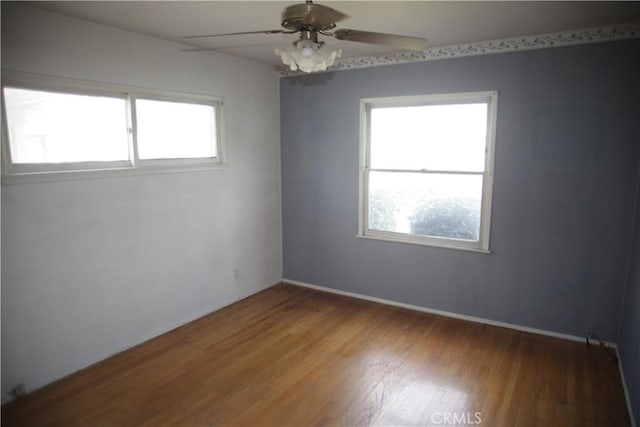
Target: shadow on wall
{"type": "Point", "coordinates": [310, 80]}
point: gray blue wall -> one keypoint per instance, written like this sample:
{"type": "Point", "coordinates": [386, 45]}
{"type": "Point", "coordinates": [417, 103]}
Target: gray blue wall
{"type": "Point", "coordinates": [564, 190]}
{"type": "Point", "coordinates": [629, 343]}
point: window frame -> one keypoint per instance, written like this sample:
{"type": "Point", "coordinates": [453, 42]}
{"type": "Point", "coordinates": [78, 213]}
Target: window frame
{"type": "Point", "coordinates": [366, 105]}
{"type": "Point", "coordinates": [35, 172]}
{"type": "Point", "coordinates": [184, 161]}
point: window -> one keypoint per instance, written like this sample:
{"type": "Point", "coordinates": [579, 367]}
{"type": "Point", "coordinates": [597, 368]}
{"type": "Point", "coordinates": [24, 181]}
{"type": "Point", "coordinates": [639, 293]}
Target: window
{"type": "Point", "coordinates": [47, 127]}
{"type": "Point", "coordinates": [427, 169]}
{"type": "Point", "coordinates": [56, 125]}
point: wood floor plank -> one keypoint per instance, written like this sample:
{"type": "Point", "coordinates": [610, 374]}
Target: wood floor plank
{"type": "Point", "coordinates": [295, 356]}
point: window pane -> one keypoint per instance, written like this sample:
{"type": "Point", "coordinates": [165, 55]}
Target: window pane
{"type": "Point", "coordinates": [47, 127]}
{"type": "Point", "coordinates": [439, 205]}
{"type": "Point", "coordinates": [172, 130]}
{"type": "Point", "coordinates": [432, 137]}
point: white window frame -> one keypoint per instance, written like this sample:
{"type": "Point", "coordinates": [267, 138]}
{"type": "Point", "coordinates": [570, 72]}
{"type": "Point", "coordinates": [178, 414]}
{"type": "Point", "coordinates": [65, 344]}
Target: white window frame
{"type": "Point", "coordinates": [36, 172]}
{"type": "Point", "coordinates": [366, 105]}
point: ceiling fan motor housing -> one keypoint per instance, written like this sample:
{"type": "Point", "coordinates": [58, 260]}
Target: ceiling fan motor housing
{"type": "Point", "coordinates": [310, 17]}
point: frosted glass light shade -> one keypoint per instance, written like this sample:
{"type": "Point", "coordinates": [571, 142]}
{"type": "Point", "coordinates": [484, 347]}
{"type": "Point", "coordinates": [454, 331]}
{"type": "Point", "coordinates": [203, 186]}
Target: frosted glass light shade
{"type": "Point", "coordinates": [308, 56]}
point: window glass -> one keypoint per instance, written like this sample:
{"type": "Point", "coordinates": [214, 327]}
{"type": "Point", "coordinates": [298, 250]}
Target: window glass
{"type": "Point", "coordinates": [172, 130]}
{"type": "Point", "coordinates": [432, 137]}
{"type": "Point", "coordinates": [48, 127]}
{"type": "Point", "coordinates": [442, 205]}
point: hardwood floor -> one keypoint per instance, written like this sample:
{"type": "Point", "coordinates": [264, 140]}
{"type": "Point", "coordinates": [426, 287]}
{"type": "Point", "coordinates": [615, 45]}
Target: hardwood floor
{"type": "Point", "coordinates": [295, 356]}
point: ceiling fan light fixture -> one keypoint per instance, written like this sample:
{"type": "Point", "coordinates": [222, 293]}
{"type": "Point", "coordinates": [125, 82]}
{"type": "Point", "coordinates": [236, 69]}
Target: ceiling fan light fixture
{"type": "Point", "coordinates": [308, 56]}
{"type": "Point", "coordinates": [309, 19]}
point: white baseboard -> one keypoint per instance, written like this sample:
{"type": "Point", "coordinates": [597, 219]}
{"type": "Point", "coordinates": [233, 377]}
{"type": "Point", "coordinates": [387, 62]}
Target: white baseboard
{"type": "Point", "coordinates": [443, 313]}
{"type": "Point", "coordinates": [626, 390]}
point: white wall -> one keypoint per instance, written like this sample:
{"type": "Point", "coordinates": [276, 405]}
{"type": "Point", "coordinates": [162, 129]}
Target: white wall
{"type": "Point", "coordinates": [91, 267]}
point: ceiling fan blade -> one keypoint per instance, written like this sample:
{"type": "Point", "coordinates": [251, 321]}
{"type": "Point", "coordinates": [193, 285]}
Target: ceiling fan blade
{"type": "Point", "coordinates": [199, 49]}
{"type": "Point", "coordinates": [238, 34]}
{"type": "Point", "coordinates": [391, 40]}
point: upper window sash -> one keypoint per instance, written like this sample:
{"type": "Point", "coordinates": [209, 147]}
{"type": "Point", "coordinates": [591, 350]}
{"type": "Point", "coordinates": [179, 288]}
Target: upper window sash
{"type": "Point", "coordinates": [489, 98]}
{"type": "Point", "coordinates": [367, 104]}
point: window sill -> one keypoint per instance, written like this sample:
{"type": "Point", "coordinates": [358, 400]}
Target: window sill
{"type": "Point", "coordinates": [443, 245]}
{"type": "Point", "coordinates": [72, 175]}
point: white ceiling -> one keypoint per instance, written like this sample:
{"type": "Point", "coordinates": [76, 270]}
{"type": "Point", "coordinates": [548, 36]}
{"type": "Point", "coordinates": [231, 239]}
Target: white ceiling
{"type": "Point", "coordinates": [440, 22]}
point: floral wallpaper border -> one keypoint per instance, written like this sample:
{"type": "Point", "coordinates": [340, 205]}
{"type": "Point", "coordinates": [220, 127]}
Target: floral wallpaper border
{"type": "Point", "coordinates": [540, 41]}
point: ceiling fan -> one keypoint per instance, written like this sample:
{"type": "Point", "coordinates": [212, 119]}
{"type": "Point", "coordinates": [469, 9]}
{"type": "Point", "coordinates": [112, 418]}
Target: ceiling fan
{"type": "Point", "coordinates": [310, 20]}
